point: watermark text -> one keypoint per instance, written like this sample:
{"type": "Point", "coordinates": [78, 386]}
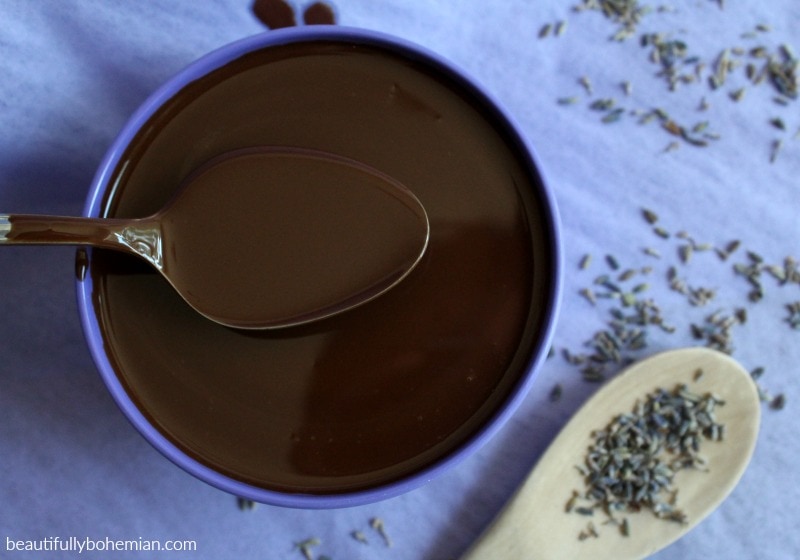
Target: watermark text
{"type": "Point", "coordinates": [87, 545]}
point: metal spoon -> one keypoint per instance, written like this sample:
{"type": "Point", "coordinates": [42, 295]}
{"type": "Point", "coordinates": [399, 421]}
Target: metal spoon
{"type": "Point", "coordinates": [264, 238]}
{"type": "Point", "coordinates": [535, 524]}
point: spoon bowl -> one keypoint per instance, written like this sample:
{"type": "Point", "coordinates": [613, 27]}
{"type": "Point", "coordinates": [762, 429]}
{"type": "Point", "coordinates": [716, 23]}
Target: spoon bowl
{"type": "Point", "coordinates": [535, 523]}
{"type": "Point", "coordinates": [264, 238]}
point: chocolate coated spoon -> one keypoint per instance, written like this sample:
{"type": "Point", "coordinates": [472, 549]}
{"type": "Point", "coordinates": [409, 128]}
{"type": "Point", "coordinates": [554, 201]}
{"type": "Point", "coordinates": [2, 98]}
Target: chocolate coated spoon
{"type": "Point", "coordinates": [265, 237]}
{"type": "Point", "coordinates": [535, 523]}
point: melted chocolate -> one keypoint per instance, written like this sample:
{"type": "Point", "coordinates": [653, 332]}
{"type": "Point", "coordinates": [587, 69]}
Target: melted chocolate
{"type": "Point", "coordinates": [274, 13]}
{"type": "Point", "coordinates": [319, 13]}
{"type": "Point", "coordinates": [383, 390]}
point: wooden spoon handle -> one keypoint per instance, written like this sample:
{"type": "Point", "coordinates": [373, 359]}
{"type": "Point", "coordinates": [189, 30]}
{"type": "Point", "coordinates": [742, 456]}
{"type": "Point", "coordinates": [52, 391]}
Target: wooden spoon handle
{"type": "Point", "coordinates": [514, 534]}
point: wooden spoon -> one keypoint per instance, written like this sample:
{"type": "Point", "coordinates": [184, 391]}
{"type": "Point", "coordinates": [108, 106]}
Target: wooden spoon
{"type": "Point", "coordinates": [262, 238]}
{"type": "Point", "coordinates": [535, 523]}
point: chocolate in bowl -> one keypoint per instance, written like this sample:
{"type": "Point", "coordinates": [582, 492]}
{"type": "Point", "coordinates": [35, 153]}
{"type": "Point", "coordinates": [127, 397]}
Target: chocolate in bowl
{"type": "Point", "coordinates": [373, 402]}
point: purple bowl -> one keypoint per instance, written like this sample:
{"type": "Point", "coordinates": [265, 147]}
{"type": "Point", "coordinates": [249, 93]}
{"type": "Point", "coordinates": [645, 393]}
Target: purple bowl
{"type": "Point", "coordinates": [101, 188]}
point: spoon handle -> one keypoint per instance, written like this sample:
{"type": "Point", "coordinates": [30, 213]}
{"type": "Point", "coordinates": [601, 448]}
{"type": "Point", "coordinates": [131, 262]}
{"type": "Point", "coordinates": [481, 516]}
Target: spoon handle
{"type": "Point", "coordinates": [516, 532]}
{"type": "Point", "coordinates": [139, 237]}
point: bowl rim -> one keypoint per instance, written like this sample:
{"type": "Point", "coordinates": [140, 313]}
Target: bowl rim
{"type": "Point", "coordinates": [100, 186]}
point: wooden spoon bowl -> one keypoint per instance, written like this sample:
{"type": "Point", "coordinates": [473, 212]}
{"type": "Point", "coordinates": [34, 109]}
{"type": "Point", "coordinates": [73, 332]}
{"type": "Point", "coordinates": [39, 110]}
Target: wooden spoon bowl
{"type": "Point", "coordinates": [535, 523]}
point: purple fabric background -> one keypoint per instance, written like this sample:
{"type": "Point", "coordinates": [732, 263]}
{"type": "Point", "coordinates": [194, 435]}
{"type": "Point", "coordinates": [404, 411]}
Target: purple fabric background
{"type": "Point", "coordinates": [73, 71]}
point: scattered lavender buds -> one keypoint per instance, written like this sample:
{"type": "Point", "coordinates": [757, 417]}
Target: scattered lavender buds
{"type": "Point", "coordinates": [377, 524]}
{"type": "Point", "coordinates": [633, 315]}
{"type": "Point", "coordinates": [631, 463]}
{"type": "Point", "coordinates": [682, 70]}
{"type": "Point", "coordinates": [794, 315]}
{"type": "Point", "coordinates": [305, 547]}
{"type": "Point", "coordinates": [245, 504]}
